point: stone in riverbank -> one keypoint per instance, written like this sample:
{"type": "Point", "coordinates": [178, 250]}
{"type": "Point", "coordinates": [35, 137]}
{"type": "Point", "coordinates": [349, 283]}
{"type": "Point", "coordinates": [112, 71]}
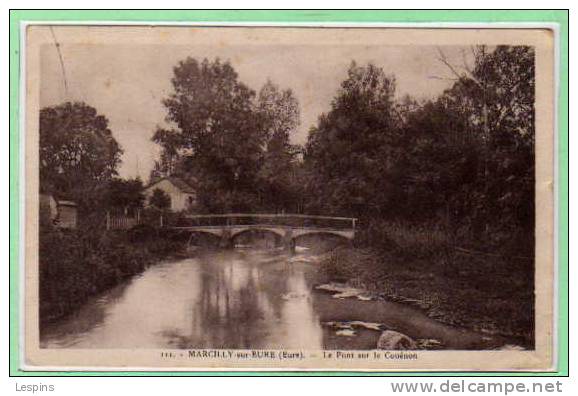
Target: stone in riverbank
{"type": "Point", "coordinates": [393, 340]}
{"type": "Point", "coordinates": [429, 344]}
{"type": "Point", "coordinates": [343, 291]}
{"type": "Point", "coordinates": [355, 323]}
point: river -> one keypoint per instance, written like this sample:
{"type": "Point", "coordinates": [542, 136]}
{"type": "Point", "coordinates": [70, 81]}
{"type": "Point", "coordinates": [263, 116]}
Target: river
{"type": "Point", "coordinates": [244, 298]}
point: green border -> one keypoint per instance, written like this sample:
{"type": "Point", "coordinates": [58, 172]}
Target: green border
{"type": "Point", "coordinates": [559, 17]}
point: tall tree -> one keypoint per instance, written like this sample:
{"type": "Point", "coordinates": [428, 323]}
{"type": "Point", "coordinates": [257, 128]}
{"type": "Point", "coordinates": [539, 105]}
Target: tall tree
{"type": "Point", "coordinates": [438, 162]}
{"type": "Point", "coordinates": [279, 112]}
{"type": "Point", "coordinates": [349, 153]}
{"type": "Point", "coordinates": [217, 137]}
{"type": "Point", "coordinates": [78, 154]}
{"type": "Point", "coordinates": [498, 96]}
{"type": "Point", "coordinates": [471, 152]}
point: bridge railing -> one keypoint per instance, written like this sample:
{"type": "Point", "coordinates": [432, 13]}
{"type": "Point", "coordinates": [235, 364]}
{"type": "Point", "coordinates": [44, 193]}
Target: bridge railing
{"type": "Point", "coordinates": [291, 220]}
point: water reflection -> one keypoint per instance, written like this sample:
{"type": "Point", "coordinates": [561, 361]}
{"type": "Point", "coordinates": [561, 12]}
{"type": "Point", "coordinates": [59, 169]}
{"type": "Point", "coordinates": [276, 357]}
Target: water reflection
{"type": "Point", "coordinates": [222, 300]}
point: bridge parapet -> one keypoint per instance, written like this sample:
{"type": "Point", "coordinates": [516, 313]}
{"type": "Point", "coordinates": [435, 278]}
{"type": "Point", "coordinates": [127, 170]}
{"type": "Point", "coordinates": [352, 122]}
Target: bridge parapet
{"type": "Point", "coordinates": [288, 220]}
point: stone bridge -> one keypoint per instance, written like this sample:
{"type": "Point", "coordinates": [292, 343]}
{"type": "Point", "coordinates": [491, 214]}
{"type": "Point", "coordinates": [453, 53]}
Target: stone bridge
{"type": "Point", "coordinates": [288, 227]}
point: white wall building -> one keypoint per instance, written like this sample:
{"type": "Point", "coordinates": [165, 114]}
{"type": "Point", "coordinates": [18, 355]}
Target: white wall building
{"type": "Point", "coordinates": [182, 195]}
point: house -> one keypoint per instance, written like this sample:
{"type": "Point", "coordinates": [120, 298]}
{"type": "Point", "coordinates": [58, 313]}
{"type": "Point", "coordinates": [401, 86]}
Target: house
{"type": "Point", "coordinates": [61, 213]}
{"type": "Point", "coordinates": [181, 194]}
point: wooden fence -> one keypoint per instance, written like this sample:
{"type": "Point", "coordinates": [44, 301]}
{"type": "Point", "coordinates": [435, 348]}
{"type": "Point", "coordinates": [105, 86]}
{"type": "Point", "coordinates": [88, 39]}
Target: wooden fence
{"type": "Point", "coordinates": [121, 222]}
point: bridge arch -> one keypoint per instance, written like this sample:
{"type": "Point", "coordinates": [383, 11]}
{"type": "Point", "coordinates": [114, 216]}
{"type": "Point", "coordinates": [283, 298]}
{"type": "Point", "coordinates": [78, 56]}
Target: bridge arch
{"type": "Point", "coordinates": [214, 236]}
{"type": "Point", "coordinates": [341, 236]}
{"type": "Point", "coordinates": [277, 233]}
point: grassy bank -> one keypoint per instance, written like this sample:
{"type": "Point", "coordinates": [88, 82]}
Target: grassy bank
{"type": "Point", "coordinates": [485, 291]}
{"type": "Point", "coordinates": [77, 264]}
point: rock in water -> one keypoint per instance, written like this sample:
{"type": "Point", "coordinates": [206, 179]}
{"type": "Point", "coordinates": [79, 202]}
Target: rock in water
{"type": "Point", "coordinates": [392, 340]}
{"type": "Point", "coordinates": [429, 343]}
{"type": "Point", "coordinates": [345, 333]}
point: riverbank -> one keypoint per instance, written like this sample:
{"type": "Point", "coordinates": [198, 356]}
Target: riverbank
{"type": "Point", "coordinates": [246, 298]}
{"type": "Point", "coordinates": [488, 294]}
{"type": "Point", "coordinates": [75, 265]}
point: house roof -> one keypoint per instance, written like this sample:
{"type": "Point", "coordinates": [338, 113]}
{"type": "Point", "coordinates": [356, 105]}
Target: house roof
{"type": "Point", "coordinates": [177, 182]}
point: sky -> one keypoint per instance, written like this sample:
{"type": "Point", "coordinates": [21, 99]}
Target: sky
{"type": "Point", "coordinates": [126, 83]}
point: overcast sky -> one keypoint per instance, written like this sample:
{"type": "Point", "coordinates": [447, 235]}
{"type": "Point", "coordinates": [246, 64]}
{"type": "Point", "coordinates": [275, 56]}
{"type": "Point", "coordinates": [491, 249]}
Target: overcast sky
{"type": "Point", "coordinates": [127, 83]}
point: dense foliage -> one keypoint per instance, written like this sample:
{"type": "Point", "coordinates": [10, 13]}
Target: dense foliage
{"type": "Point", "coordinates": [124, 194]}
{"type": "Point", "coordinates": [78, 154]}
{"type": "Point", "coordinates": [349, 154]}
{"type": "Point", "coordinates": [230, 143]}
{"type": "Point", "coordinates": [279, 112]}
{"type": "Point", "coordinates": [465, 159]}
{"type": "Point", "coordinates": [75, 265]}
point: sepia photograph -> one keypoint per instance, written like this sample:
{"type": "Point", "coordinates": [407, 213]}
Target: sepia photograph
{"type": "Point", "coordinates": [227, 197]}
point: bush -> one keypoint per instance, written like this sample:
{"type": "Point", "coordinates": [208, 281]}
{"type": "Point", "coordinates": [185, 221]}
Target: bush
{"type": "Point", "coordinates": [75, 264]}
{"type": "Point", "coordinates": [416, 240]}
{"type": "Point", "coordinates": [142, 233]}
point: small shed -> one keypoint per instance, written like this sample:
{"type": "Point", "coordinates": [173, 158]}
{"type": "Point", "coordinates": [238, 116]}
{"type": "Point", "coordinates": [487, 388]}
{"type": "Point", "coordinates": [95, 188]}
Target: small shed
{"type": "Point", "coordinates": [59, 212]}
{"type": "Point", "coordinates": [67, 214]}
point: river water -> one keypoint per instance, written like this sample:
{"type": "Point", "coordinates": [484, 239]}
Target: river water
{"type": "Point", "coordinates": [250, 299]}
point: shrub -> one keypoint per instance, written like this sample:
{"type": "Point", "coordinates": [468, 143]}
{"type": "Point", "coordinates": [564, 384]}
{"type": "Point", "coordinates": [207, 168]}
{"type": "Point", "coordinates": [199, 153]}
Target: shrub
{"type": "Point", "coordinates": [76, 264]}
{"type": "Point", "coordinates": [415, 240]}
